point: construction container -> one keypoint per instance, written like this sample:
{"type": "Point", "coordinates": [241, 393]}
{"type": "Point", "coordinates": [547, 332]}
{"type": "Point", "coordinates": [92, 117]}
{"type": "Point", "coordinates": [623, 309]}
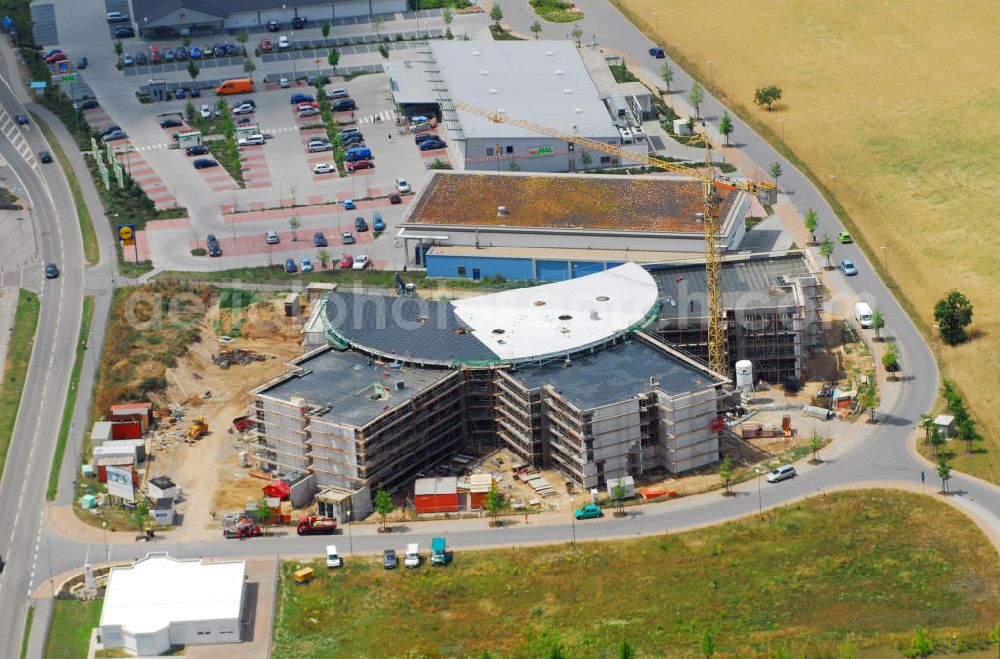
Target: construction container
{"type": "Point", "coordinates": [88, 501]}
{"type": "Point", "coordinates": [162, 487]}
{"type": "Point", "coordinates": [100, 433]}
{"type": "Point", "coordinates": [304, 576]}
{"type": "Point", "coordinates": [436, 495]}
{"type": "Point", "coordinates": [293, 305]}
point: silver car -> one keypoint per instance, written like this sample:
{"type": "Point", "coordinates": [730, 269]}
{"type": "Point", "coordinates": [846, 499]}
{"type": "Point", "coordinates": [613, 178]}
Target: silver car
{"type": "Point", "coordinates": [781, 473]}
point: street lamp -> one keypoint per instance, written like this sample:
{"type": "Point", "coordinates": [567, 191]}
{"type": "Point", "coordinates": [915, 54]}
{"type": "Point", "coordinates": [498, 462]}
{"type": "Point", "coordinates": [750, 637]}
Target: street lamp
{"type": "Point", "coordinates": [657, 19]}
{"type": "Point", "coordinates": [711, 72]}
{"type": "Point", "coordinates": [572, 515]}
{"type": "Point", "coordinates": [107, 555]}
{"type": "Point", "coordinates": [885, 264]}
{"type": "Point", "coordinates": [833, 178]}
{"type": "Point", "coordinates": [350, 536]}
{"type": "Point", "coordinates": [760, 504]}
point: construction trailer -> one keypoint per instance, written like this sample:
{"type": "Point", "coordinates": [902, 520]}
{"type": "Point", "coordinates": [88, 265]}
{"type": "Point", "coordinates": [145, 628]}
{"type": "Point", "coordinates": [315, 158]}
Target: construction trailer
{"type": "Point", "coordinates": [772, 310]}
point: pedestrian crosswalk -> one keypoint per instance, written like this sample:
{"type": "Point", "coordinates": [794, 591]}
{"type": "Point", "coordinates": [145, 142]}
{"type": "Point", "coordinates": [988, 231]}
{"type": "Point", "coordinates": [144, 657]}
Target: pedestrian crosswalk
{"type": "Point", "coordinates": [386, 116]}
{"type": "Point", "coordinates": [265, 131]}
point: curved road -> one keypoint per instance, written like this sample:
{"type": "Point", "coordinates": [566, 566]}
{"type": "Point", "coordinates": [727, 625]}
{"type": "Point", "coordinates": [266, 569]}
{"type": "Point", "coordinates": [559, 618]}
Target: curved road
{"type": "Point", "coordinates": [872, 455]}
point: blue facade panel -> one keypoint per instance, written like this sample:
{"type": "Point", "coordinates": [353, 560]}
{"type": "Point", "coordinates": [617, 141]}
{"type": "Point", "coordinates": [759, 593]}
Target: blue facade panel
{"type": "Point", "coordinates": [583, 268]}
{"type": "Point", "coordinates": [552, 270]}
{"type": "Point", "coordinates": [474, 267]}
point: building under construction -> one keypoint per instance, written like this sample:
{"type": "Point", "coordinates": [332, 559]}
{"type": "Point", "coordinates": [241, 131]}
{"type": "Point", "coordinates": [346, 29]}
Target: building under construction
{"type": "Point", "coordinates": [565, 375]}
{"type": "Point", "coordinates": [772, 312]}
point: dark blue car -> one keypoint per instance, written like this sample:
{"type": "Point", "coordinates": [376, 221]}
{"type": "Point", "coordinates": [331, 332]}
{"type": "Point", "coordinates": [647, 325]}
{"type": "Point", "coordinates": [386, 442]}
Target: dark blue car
{"type": "Point", "coordinates": [290, 266]}
{"type": "Point", "coordinates": [195, 52]}
{"type": "Point", "coordinates": [301, 98]}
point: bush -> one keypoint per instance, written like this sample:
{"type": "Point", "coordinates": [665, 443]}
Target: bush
{"type": "Point", "coordinates": [199, 251]}
{"type": "Point", "coordinates": [556, 11]}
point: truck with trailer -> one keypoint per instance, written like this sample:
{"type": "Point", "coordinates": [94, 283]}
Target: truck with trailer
{"type": "Point", "coordinates": [313, 525]}
{"type": "Point", "coordinates": [239, 526]}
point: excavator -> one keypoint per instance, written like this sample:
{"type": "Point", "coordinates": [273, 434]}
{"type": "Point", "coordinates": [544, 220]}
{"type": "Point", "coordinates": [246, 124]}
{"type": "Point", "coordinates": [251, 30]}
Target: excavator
{"type": "Point", "coordinates": [199, 428]}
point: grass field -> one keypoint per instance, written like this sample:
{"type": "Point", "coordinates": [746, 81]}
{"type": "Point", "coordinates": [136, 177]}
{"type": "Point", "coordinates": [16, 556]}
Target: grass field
{"type": "Point", "coordinates": [69, 630]}
{"type": "Point", "coordinates": [898, 101]}
{"type": "Point", "coordinates": [21, 340]}
{"type": "Point", "coordinates": [820, 585]}
{"type": "Point", "coordinates": [71, 394]}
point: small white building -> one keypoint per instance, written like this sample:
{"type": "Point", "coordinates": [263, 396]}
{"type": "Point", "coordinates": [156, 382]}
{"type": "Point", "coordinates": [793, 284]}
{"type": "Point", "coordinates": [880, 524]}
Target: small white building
{"type": "Point", "coordinates": [627, 483]}
{"type": "Point", "coordinates": [946, 425]}
{"type": "Point", "coordinates": [100, 433]}
{"type": "Point", "coordinates": [162, 487]}
{"type": "Point", "coordinates": [159, 602]}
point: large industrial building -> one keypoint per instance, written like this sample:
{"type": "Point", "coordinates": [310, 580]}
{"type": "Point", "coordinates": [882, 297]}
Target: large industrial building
{"type": "Point", "coordinates": [159, 602]}
{"type": "Point", "coordinates": [194, 17]}
{"type": "Point", "coordinates": [558, 226]}
{"type": "Point", "coordinates": [541, 81]}
{"type": "Point", "coordinates": [563, 374]}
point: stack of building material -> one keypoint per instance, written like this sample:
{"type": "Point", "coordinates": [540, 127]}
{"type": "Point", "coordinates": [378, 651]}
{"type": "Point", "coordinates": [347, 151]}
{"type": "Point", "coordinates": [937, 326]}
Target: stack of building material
{"type": "Point", "coordinates": [540, 485]}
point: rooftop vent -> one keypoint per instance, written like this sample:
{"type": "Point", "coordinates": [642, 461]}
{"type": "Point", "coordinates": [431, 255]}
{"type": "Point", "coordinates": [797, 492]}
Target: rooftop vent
{"type": "Point", "coordinates": [494, 91]}
{"type": "Point", "coordinates": [476, 53]}
{"type": "Point", "coordinates": [484, 72]}
{"type": "Point", "coordinates": [502, 211]}
{"type": "Point", "coordinates": [594, 315]}
{"type": "Point", "coordinates": [560, 72]}
{"type": "Point", "coordinates": [567, 91]}
{"type": "Point", "coordinates": [578, 111]}
{"type": "Point", "coordinates": [550, 53]}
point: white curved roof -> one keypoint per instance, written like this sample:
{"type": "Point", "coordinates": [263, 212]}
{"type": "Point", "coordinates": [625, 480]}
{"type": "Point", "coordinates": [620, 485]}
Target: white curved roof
{"type": "Point", "coordinates": [560, 318]}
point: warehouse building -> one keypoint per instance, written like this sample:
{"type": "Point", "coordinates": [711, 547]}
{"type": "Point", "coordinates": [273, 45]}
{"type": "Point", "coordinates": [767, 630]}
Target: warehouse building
{"type": "Point", "coordinates": [194, 17]}
{"type": "Point", "coordinates": [772, 312]}
{"type": "Point", "coordinates": [558, 226]}
{"type": "Point", "coordinates": [541, 81]}
{"type": "Point", "coordinates": [160, 601]}
{"type": "Point", "coordinates": [563, 374]}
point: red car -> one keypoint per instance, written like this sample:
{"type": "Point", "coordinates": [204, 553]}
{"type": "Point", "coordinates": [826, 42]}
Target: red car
{"type": "Point", "coordinates": [347, 262]}
{"type": "Point", "coordinates": [360, 164]}
{"type": "Point", "coordinates": [55, 57]}
{"type": "Point", "coordinates": [154, 55]}
{"type": "Point", "coordinates": [266, 46]}
{"type": "Point", "coordinates": [394, 198]}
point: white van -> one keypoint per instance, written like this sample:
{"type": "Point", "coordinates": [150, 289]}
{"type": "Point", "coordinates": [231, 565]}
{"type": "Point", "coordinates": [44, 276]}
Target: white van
{"type": "Point", "coordinates": [863, 314]}
{"type": "Point", "coordinates": [251, 140]}
{"type": "Point", "coordinates": [412, 555]}
{"type": "Point", "coordinates": [332, 557]}
{"type": "Point", "coordinates": [336, 92]}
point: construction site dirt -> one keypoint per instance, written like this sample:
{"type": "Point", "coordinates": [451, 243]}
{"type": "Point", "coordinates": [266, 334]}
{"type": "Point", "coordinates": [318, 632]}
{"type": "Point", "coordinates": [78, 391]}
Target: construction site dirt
{"type": "Point", "coordinates": [208, 469]}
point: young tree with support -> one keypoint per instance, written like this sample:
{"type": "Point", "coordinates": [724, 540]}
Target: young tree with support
{"type": "Point", "coordinates": [810, 222]}
{"type": "Point", "coordinates": [325, 30]}
{"type": "Point", "coordinates": [878, 323]}
{"type": "Point", "coordinates": [726, 126]}
{"type": "Point", "coordinates": [294, 223]}
{"type": "Point", "coordinates": [576, 33]}
{"type": "Point", "coordinates": [667, 75]}
{"type": "Point", "coordinates": [535, 28]}
{"type": "Point", "coordinates": [944, 472]}
{"type": "Point", "coordinates": [826, 249]}
{"type": "Point", "coordinates": [263, 513]}
{"type": "Point", "coordinates": [937, 441]}
{"type": "Point", "coordinates": [890, 361]}
{"type": "Point", "coordinates": [496, 14]}
{"type": "Point", "coordinates": [494, 504]}
{"type": "Point", "coordinates": [926, 423]}
{"type": "Point", "coordinates": [618, 494]}
{"type": "Point", "coordinates": [815, 444]}
{"type": "Point", "coordinates": [323, 256]}
{"type": "Point", "coordinates": [383, 506]}
{"type": "Point", "coordinates": [775, 171]}
{"type": "Point", "coordinates": [726, 475]}
{"type": "Point", "coordinates": [696, 97]}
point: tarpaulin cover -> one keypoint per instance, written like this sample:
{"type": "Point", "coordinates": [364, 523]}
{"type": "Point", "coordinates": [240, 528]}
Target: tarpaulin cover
{"type": "Point", "coordinates": [277, 489]}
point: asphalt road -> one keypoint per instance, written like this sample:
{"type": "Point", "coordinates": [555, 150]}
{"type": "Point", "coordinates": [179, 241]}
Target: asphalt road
{"type": "Point", "coordinates": [22, 489]}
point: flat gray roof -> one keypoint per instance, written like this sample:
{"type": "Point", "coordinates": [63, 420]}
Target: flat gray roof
{"type": "Point", "coordinates": [542, 81]}
{"type": "Point", "coordinates": [614, 374]}
{"type": "Point", "coordinates": [746, 283]}
{"type": "Point", "coordinates": [351, 385]}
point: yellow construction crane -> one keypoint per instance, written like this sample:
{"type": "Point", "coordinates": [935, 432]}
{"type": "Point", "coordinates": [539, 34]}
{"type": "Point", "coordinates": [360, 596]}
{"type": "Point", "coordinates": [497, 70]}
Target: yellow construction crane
{"type": "Point", "coordinates": [711, 183]}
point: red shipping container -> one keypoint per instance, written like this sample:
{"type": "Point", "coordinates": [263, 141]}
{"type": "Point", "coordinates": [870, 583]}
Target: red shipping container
{"type": "Point", "coordinates": [126, 430]}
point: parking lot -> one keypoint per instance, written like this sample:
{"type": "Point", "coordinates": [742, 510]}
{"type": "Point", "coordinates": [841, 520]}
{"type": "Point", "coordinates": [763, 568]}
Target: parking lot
{"type": "Point", "coordinates": [279, 177]}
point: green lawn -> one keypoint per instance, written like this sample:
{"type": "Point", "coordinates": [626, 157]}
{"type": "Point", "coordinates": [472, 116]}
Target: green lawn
{"type": "Point", "coordinates": [862, 569]}
{"type": "Point", "coordinates": [19, 347]}
{"type": "Point", "coordinates": [69, 630]}
{"type": "Point", "coordinates": [74, 381]}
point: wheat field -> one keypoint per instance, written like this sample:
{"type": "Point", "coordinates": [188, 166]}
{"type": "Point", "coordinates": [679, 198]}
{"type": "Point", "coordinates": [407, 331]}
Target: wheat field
{"type": "Point", "coordinates": [900, 101]}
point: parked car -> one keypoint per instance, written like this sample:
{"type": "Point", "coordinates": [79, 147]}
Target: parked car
{"type": "Point", "coordinates": [127, 60]}
{"type": "Point", "coordinates": [141, 59]}
{"type": "Point", "coordinates": [352, 140]}
{"type": "Point", "coordinates": [347, 238]}
{"type": "Point", "coordinates": [171, 122]}
{"type": "Point", "coordinates": [284, 43]}
{"type": "Point", "coordinates": [168, 55]}
{"type": "Point", "coordinates": [109, 129]}
{"type": "Point", "coordinates": [290, 266]}
{"type": "Point", "coordinates": [297, 98]}
{"type": "Point", "coordinates": [395, 198]}
{"type": "Point", "coordinates": [335, 93]}
{"type": "Point", "coordinates": [346, 262]}
{"type": "Point", "coordinates": [45, 156]}
{"type": "Point", "coordinates": [51, 271]}
{"type": "Point", "coordinates": [124, 32]}
{"type": "Point", "coordinates": [117, 17]}
{"type": "Point", "coordinates": [349, 205]}
{"type": "Point", "coordinates": [351, 130]}
{"type": "Point", "coordinates": [204, 163]}
{"type": "Point", "coordinates": [845, 237]}
{"type": "Point", "coordinates": [271, 238]}
{"type": "Point", "coordinates": [251, 140]}
{"type": "Point", "coordinates": [377, 223]}
{"type": "Point", "coordinates": [848, 267]}
{"type": "Point", "coordinates": [359, 165]}
{"type": "Point", "coordinates": [88, 104]}
{"type": "Point", "coordinates": [389, 561]}
{"type": "Point", "coordinates": [319, 240]}
{"type": "Point", "coordinates": [82, 63]}
{"type": "Point", "coordinates": [182, 53]}
{"type": "Point", "coordinates": [195, 92]}
{"type": "Point", "coordinates": [195, 52]}
{"type": "Point", "coordinates": [412, 557]}
{"type": "Point", "coordinates": [423, 137]}
{"type": "Point", "coordinates": [590, 511]}
{"type": "Point", "coordinates": [199, 150]}
{"type": "Point", "coordinates": [324, 168]}
{"type": "Point", "coordinates": [781, 473]}
{"type": "Point", "coordinates": [317, 146]}
{"type": "Point", "coordinates": [333, 559]}
{"type": "Point", "coordinates": [361, 262]}
{"type": "Point", "coordinates": [243, 121]}
{"type": "Point", "coordinates": [243, 108]}
{"type": "Point", "coordinates": [154, 55]}
{"type": "Point", "coordinates": [284, 83]}
{"type": "Point", "coordinates": [180, 93]}
{"type": "Point", "coordinates": [298, 22]}
{"type": "Point", "coordinates": [344, 105]}
{"type": "Point", "coordinates": [307, 106]}
{"type": "Point", "coordinates": [229, 48]}
{"type": "Point", "coordinates": [308, 112]}
{"type": "Point", "coordinates": [273, 26]}
{"type": "Point", "coordinates": [432, 145]}
{"type": "Point", "coordinates": [307, 265]}
{"type": "Point", "coordinates": [220, 50]}
{"type": "Point", "coordinates": [657, 53]}
{"type": "Point", "coordinates": [56, 57]}
{"type": "Point", "coordinates": [114, 135]}
{"type": "Point", "coordinates": [206, 112]}
{"type": "Point", "coordinates": [360, 224]}
{"type": "Point", "coordinates": [213, 245]}
{"type": "Point", "coordinates": [402, 185]}
{"type": "Point", "coordinates": [266, 46]}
